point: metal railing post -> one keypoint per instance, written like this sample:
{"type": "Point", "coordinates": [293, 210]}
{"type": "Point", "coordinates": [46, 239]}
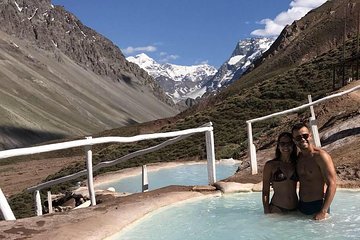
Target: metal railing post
{"type": "Point", "coordinates": [313, 124]}
{"type": "Point", "coordinates": [5, 208]}
{"type": "Point", "coordinates": [89, 167]}
{"type": "Point", "coordinates": [252, 150]}
{"type": "Point", "coordinates": [145, 181]}
{"type": "Point", "coordinates": [49, 198]}
{"type": "Point", "coordinates": [38, 207]}
{"type": "Point", "coordinates": [210, 152]}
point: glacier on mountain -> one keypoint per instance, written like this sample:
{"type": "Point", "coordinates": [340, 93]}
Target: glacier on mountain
{"type": "Point", "coordinates": [183, 82]}
{"type": "Point", "coordinates": [179, 82]}
{"type": "Point", "coordinates": [245, 53]}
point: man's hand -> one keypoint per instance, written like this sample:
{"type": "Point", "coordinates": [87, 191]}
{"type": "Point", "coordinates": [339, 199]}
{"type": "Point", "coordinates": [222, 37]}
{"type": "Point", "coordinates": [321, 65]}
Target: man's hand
{"type": "Point", "coordinates": [320, 215]}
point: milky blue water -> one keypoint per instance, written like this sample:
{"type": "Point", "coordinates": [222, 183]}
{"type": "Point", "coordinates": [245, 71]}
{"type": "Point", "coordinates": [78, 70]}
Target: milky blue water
{"type": "Point", "coordinates": [195, 174]}
{"type": "Point", "coordinates": [240, 216]}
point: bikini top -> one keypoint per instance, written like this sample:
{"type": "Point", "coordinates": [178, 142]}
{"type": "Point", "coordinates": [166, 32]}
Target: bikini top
{"type": "Point", "coordinates": [279, 176]}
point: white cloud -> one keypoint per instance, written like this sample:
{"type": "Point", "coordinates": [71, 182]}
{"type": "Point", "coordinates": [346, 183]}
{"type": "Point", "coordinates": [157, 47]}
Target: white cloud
{"type": "Point", "coordinates": [298, 9]}
{"type": "Point", "coordinates": [199, 62]}
{"type": "Point", "coordinates": [131, 50]}
{"type": "Point", "coordinates": [307, 3]}
{"type": "Point", "coordinates": [165, 58]}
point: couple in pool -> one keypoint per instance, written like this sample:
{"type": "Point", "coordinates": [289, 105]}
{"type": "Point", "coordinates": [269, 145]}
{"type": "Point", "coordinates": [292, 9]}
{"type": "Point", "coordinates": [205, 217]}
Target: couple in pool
{"type": "Point", "coordinates": [311, 166]}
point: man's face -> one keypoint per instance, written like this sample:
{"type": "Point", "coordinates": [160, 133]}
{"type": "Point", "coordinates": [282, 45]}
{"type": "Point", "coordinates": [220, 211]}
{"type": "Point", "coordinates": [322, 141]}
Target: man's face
{"type": "Point", "coordinates": [302, 137]}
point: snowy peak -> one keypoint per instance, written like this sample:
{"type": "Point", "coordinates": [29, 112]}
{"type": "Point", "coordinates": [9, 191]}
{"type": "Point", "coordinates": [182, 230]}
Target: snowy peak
{"type": "Point", "coordinates": [191, 73]}
{"type": "Point", "coordinates": [142, 59]}
{"type": "Point", "coordinates": [250, 49]}
{"type": "Point", "coordinates": [179, 82]}
{"type": "Point", "coordinates": [183, 82]}
{"type": "Point", "coordinates": [245, 53]}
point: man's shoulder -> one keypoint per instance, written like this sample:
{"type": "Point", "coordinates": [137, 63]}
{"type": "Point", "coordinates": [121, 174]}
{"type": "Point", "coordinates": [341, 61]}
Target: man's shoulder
{"type": "Point", "coordinates": [322, 155]}
{"type": "Point", "coordinates": [321, 151]}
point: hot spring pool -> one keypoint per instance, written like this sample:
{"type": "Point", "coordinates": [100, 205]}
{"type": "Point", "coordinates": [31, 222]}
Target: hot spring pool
{"type": "Point", "coordinates": [240, 216]}
{"type": "Point", "coordinates": [188, 174]}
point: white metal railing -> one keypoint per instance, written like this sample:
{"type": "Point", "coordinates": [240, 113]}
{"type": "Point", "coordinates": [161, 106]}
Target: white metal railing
{"type": "Point", "coordinates": [88, 142]}
{"type": "Point", "coordinates": [252, 148]}
{"type": "Point", "coordinates": [5, 208]}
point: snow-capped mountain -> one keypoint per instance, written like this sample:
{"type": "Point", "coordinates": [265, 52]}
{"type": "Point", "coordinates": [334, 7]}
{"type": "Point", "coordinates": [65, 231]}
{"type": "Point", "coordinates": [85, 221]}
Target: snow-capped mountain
{"type": "Point", "coordinates": [184, 82]}
{"type": "Point", "coordinates": [179, 82]}
{"type": "Point", "coordinates": [245, 53]}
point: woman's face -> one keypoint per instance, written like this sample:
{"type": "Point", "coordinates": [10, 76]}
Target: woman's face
{"type": "Point", "coordinates": [285, 144]}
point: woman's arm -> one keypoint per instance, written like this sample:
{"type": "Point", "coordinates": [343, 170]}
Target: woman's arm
{"type": "Point", "coordinates": [266, 187]}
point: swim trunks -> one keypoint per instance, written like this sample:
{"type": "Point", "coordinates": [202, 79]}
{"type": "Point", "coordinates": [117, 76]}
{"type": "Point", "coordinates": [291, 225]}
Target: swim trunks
{"type": "Point", "coordinates": [310, 208]}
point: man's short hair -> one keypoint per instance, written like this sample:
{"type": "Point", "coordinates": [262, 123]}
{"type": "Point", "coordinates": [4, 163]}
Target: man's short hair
{"type": "Point", "coordinates": [298, 126]}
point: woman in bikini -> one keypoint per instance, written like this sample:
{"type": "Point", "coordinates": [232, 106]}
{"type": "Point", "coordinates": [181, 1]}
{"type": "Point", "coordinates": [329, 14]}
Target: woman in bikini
{"type": "Point", "coordinates": [280, 173]}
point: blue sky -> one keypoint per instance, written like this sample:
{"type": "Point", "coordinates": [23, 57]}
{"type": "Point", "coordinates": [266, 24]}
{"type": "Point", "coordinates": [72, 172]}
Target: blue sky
{"type": "Point", "coordinates": [186, 32]}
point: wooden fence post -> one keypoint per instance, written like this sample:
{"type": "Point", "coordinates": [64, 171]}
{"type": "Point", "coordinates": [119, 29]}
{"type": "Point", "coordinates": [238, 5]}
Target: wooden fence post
{"type": "Point", "coordinates": [5, 208]}
{"type": "Point", "coordinates": [210, 152]}
{"type": "Point", "coordinates": [89, 167]}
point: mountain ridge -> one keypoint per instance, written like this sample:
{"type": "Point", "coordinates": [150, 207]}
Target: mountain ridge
{"type": "Point", "coordinates": [187, 83]}
{"type": "Point", "coordinates": [246, 52]}
{"type": "Point", "coordinates": [60, 78]}
{"type": "Point", "coordinates": [179, 82]}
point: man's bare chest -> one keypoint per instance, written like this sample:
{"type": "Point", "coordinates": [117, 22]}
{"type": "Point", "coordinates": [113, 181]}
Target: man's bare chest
{"type": "Point", "coordinates": [308, 169]}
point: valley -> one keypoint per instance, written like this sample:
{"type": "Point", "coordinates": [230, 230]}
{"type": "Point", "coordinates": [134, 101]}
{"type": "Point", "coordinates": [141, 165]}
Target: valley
{"type": "Point", "coordinates": [64, 92]}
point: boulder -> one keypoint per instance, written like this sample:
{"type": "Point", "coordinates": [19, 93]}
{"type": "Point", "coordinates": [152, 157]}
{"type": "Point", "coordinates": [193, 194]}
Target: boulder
{"type": "Point", "coordinates": [257, 187]}
{"type": "Point", "coordinates": [232, 187]}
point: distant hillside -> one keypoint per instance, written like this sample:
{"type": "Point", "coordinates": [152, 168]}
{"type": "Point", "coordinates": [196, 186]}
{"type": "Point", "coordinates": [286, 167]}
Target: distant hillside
{"type": "Point", "coordinates": [60, 78]}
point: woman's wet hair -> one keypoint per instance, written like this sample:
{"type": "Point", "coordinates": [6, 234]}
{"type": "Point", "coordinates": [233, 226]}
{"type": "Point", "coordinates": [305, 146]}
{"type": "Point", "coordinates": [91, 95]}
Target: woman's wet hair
{"type": "Point", "coordinates": [293, 155]}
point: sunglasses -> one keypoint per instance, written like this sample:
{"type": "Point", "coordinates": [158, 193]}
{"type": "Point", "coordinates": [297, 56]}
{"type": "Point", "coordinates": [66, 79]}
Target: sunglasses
{"type": "Point", "coordinates": [301, 136]}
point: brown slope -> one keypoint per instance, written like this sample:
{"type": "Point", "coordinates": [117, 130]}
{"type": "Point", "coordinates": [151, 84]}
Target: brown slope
{"type": "Point", "coordinates": [54, 29]}
{"type": "Point", "coordinates": [60, 78]}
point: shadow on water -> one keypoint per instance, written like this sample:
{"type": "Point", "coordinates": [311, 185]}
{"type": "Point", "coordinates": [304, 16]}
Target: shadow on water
{"type": "Point", "coordinates": [16, 137]}
{"type": "Point", "coordinates": [340, 135]}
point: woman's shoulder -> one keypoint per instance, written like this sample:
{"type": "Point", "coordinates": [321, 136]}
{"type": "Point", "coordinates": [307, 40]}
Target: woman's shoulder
{"type": "Point", "coordinates": [272, 161]}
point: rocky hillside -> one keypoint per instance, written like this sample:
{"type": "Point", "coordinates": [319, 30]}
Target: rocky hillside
{"type": "Point", "coordinates": [60, 78]}
{"type": "Point", "coordinates": [320, 31]}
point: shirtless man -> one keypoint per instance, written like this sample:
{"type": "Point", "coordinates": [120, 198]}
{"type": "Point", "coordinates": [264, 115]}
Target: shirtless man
{"type": "Point", "coordinates": [315, 169]}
